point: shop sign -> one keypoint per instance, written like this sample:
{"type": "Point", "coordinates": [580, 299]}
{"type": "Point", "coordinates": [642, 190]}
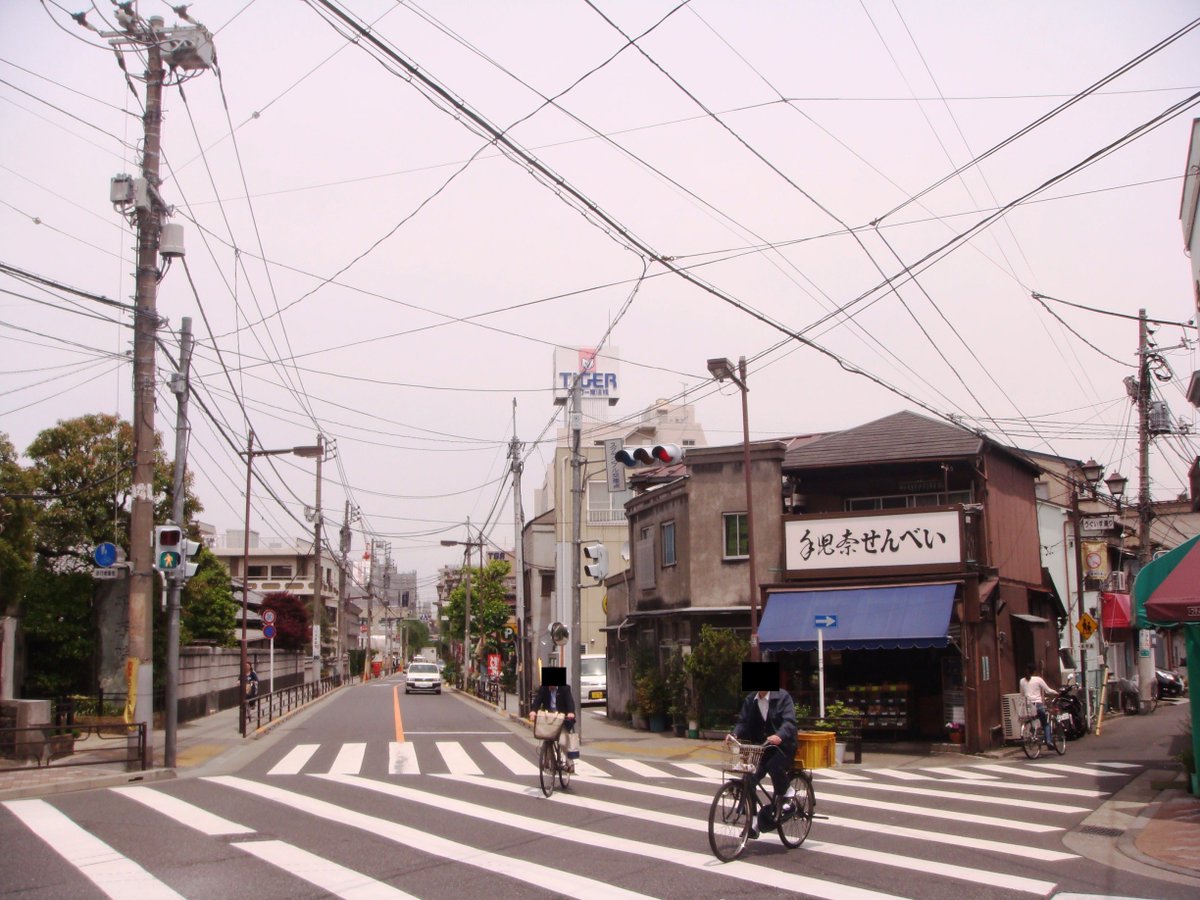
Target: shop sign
{"type": "Point", "coordinates": [907, 539]}
{"type": "Point", "coordinates": [1097, 524]}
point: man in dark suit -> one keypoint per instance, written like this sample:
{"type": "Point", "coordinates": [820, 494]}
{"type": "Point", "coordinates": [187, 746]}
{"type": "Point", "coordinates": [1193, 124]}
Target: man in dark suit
{"type": "Point", "coordinates": [768, 716]}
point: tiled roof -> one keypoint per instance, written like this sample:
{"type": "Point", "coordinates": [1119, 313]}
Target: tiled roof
{"type": "Point", "coordinates": [900, 437]}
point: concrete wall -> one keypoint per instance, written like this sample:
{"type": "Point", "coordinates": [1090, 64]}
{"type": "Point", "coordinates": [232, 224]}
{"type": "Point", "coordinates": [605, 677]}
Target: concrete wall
{"type": "Point", "coordinates": [209, 676]}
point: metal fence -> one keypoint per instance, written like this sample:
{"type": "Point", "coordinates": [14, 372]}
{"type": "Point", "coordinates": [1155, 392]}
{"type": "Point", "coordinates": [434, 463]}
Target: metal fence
{"type": "Point", "coordinates": [265, 708]}
{"type": "Point", "coordinates": [78, 744]}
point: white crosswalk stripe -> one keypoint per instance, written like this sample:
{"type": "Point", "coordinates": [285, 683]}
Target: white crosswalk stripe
{"type": "Point", "coordinates": [650, 811]}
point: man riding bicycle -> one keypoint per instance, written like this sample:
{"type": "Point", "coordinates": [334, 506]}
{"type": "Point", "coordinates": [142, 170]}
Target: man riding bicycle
{"type": "Point", "coordinates": [768, 716]}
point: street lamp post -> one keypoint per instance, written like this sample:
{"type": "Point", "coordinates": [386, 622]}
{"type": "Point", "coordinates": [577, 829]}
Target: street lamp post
{"type": "Point", "coordinates": [721, 369]}
{"type": "Point", "coordinates": [250, 453]}
{"type": "Point", "coordinates": [467, 598]}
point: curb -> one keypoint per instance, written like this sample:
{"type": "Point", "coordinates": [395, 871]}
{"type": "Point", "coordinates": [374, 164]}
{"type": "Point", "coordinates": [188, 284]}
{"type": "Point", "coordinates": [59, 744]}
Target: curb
{"type": "Point", "coordinates": [93, 782]}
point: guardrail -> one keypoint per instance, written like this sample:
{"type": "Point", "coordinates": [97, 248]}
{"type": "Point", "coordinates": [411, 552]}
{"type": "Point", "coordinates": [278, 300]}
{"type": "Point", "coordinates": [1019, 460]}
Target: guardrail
{"type": "Point", "coordinates": [265, 708]}
{"type": "Point", "coordinates": [80, 744]}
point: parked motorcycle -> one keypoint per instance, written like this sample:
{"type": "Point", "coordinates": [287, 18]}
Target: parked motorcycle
{"type": "Point", "coordinates": [1068, 710]}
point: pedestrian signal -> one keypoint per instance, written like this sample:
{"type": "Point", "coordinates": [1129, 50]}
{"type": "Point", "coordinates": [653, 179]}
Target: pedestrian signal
{"type": "Point", "coordinates": [168, 547]}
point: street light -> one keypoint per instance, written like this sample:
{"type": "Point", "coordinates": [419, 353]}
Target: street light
{"type": "Point", "coordinates": [310, 452]}
{"type": "Point", "coordinates": [722, 369]}
{"type": "Point", "coordinates": [467, 604]}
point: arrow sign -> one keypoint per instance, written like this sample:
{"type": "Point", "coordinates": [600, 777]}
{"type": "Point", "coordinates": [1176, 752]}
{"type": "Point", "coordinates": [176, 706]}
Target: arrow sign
{"type": "Point", "coordinates": [825, 621]}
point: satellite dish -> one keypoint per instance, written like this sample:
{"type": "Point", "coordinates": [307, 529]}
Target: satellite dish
{"type": "Point", "coordinates": [559, 633]}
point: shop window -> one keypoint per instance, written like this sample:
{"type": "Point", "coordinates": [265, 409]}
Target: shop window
{"type": "Point", "coordinates": [737, 536]}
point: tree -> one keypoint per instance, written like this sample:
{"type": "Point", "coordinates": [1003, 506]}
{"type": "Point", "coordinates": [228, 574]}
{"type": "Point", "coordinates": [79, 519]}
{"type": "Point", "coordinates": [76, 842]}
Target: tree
{"type": "Point", "coordinates": [209, 612]}
{"type": "Point", "coordinates": [84, 466]}
{"type": "Point", "coordinates": [716, 667]}
{"type": "Point", "coordinates": [416, 635]}
{"type": "Point", "coordinates": [489, 610]}
{"type": "Point", "coordinates": [57, 624]}
{"type": "Point", "coordinates": [17, 523]}
{"type": "Point", "coordinates": [291, 620]}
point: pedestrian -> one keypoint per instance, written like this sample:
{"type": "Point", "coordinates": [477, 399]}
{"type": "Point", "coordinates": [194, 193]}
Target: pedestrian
{"type": "Point", "coordinates": [1034, 689]}
{"type": "Point", "coordinates": [250, 682]}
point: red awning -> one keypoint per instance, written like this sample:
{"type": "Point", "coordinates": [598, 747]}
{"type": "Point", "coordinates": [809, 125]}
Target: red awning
{"type": "Point", "coordinates": [1114, 610]}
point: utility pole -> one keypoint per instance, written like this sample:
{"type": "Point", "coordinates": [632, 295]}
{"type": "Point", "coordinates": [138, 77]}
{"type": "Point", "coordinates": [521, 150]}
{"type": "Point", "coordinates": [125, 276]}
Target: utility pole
{"type": "Point", "coordinates": [141, 519]}
{"type": "Point", "coordinates": [467, 608]}
{"type": "Point", "coordinates": [1145, 659]}
{"type": "Point", "coordinates": [344, 547]}
{"type": "Point", "coordinates": [175, 580]}
{"type": "Point", "coordinates": [370, 609]}
{"type": "Point", "coordinates": [188, 48]}
{"type": "Point", "coordinates": [318, 601]}
{"type": "Point", "coordinates": [576, 635]}
{"type": "Point", "coordinates": [514, 454]}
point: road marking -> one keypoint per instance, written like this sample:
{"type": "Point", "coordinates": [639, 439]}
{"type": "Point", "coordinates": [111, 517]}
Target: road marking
{"type": "Point", "coordinates": [1010, 770]}
{"type": "Point", "coordinates": [456, 758]}
{"type": "Point", "coordinates": [183, 812]}
{"type": "Point", "coordinates": [561, 881]}
{"type": "Point", "coordinates": [837, 775]}
{"type": "Point", "coordinates": [402, 760]}
{"type": "Point", "coordinates": [1020, 851]}
{"type": "Point", "coordinates": [515, 762]}
{"type": "Point", "coordinates": [902, 774]}
{"type": "Point", "coordinates": [639, 768]}
{"type": "Point", "coordinates": [116, 875]}
{"type": "Point", "coordinates": [585, 768]}
{"type": "Point", "coordinates": [349, 759]}
{"type": "Point", "coordinates": [325, 874]}
{"type": "Point", "coordinates": [759, 875]}
{"type": "Point", "coordinates": [295, 759]}
{"type": "Point", "coordinates": [706, 772]}
{"type": "Point", "coordinates": [396, 714]}
{"type": "Point", "coordinates": [1116, 765]}
{"type": "Point", "coordinates": [938, 795]}
{"type": "Point", "coordinates": [960, 773]}
{"type": "Point", "coordinates": [1075, 770]}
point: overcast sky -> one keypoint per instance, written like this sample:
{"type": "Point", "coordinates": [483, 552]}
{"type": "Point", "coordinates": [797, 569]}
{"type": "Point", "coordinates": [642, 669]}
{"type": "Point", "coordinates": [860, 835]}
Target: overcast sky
{"type": "Point", "coordinates": [365, 257]}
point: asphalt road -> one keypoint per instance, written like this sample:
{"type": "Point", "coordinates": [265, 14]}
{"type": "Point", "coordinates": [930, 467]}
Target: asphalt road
{"type": "Point", "coordinates": [377, 794]}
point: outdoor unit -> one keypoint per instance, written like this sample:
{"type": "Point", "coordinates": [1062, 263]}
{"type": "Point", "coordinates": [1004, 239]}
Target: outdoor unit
{"type": "Point", "coordinates": [1011, 714]}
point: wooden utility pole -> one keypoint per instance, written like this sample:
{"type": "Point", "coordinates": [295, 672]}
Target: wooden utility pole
{"type": "Point", "coordinates": [141, 520]}
{"type": "Point", "coordinates": [1145, 657]}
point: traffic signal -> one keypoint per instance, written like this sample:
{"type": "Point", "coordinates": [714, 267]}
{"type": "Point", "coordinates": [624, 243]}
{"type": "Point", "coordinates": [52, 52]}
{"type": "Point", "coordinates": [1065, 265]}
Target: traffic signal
{"type": "Point", "coordinates": [649, 455]}
{"type": "Point", "coordinates": [190, 549]}
{"type": "Point", "coordinates": [168, 547]}
{"type": "Point", "coordinates": [598, 565]}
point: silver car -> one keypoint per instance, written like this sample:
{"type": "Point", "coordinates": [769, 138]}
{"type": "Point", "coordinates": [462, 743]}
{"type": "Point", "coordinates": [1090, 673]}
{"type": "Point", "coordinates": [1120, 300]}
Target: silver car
{"type": "Point", "coordinates": [423, 676]}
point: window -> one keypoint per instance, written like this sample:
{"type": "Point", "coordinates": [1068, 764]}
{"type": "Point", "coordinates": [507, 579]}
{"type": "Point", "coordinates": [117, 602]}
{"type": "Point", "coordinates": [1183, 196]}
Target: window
{"type": "Point", "coordinates": [256, 571]}
{"type": "Point", "coordinates": [603, 505]}
{"type": "Point", "coordinates": [668, 544]}
{"type": "Point", "coordinates": [284, 571]}
{"type": "Point", "coordinates": [907, 501]}
{"type": "Point", "coordinates": [737, 536]}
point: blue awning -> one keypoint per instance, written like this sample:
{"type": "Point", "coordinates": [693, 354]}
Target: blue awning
{"type": "Point", "coordinates": [877, 618]}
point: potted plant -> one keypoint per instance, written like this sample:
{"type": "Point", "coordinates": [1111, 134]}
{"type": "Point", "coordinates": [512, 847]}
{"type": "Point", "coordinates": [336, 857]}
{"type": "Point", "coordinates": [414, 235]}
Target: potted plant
{"type": "Point", "coordinates": [839, 718]}
{"type": "Point", "coordinates": [954, 731]}
{"type": "Point", "coordinates": [650, 691]}
{"type": "Point", "coordinates": [676, 690]}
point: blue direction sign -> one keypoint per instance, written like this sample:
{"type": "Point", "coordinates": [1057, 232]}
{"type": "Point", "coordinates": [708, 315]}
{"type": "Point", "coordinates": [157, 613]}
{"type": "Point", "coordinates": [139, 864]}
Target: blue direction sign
{"type": "Point", "coordinates": [268, 631]}
{"type": "Point", "coordinates": [825, 621]}
{"type": "Point", "coordinates": [105, 554]}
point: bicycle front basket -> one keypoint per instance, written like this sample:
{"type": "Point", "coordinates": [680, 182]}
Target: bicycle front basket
{"type": "Point", "coordinates": [547, 725]}
{"type": "Point", "coordinates": [746, 758]}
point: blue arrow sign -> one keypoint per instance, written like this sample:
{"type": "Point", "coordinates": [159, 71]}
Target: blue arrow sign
{"type": "Point", "coordinates": [105, 554]}
{"type": "Point", "coordinates": [825, 621]}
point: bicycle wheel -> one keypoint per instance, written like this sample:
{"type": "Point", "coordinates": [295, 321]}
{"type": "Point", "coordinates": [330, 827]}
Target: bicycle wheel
{"type": "Point", "coordinates": [1058, 736]}
{"type": "Point", "coordinates": [564, 777]}
{"type": "Point", "coordinates": [793, 829]}
{"type": "Point", "coordinates": [1031, 739]}
{"type": "Point", "coordinates": [729, 822]}
{"type": "Point", "coordinates": [546, 767]}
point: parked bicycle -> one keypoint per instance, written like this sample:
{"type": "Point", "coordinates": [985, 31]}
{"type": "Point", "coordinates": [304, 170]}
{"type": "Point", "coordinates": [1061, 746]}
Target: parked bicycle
{"type": "Point", "coordinates": [734, 817]}
{"type": "Point", "coordinates": [552, 760]}
{"type": "Point", "coordinates": [1033, 738]}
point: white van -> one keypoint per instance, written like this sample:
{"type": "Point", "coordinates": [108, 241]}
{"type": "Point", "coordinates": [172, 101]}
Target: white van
{"type": "Point", "coordinates": [593, 678]}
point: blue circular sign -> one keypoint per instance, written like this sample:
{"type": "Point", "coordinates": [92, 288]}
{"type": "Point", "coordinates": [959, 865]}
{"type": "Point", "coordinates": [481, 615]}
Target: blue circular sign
{"type": "Point", "coordinates": [268, 631]}
{"type": "Point", "coordinates": [105, 554]}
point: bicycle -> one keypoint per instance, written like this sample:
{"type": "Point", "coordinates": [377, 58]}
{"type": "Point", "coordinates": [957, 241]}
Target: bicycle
{"type": "Point", "coordinates": [552, 762]}
{"type": "Point", "coordinates": [734, 811]}
{"type": "Point", "coordinates": [1033, 738]}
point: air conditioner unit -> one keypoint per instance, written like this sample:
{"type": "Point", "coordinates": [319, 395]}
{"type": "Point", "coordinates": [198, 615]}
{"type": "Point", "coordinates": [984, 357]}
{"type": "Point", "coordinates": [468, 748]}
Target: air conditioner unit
{"type": "Point", "coordinates": [1013, 706]}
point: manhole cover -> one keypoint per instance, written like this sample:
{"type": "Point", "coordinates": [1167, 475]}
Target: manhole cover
{"type": "Point", "coordinates": [1101, 831]}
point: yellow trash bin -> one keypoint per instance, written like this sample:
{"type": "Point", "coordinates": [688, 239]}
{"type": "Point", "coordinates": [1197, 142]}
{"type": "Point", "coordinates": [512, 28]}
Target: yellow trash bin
{"type": "Point", "coordinates": [815, 749]}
